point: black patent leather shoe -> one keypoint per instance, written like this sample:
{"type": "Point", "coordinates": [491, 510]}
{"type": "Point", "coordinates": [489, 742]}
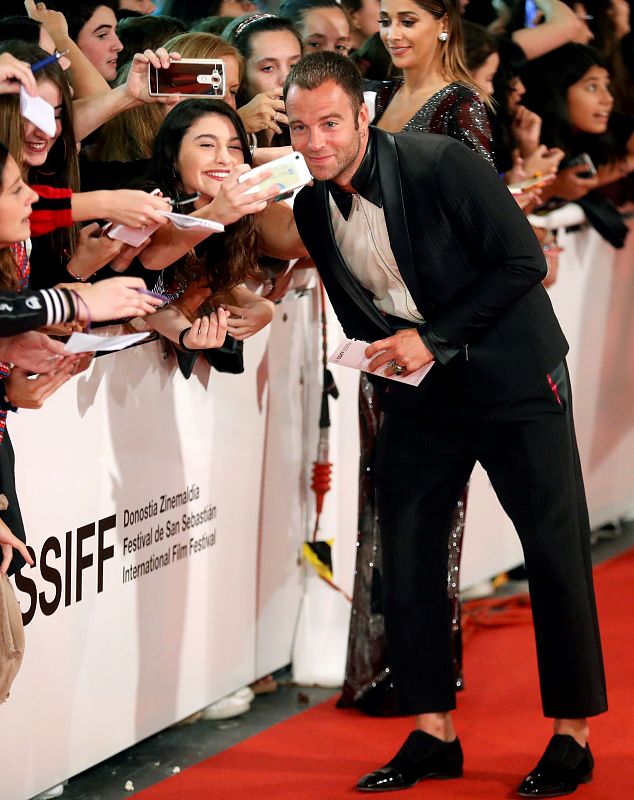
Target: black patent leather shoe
{"type": "Point", "coordinates": [421, 756]}
{"type": "Point", "coordinates": [564, 765]}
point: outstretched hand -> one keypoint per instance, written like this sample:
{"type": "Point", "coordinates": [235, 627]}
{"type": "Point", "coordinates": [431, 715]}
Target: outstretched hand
{"type": "Point", "coordinates": [32, 350]}
{"type": "Point", "coordinates": [233, 201]}
{"type": "Point", "coordinates": [114, 298]}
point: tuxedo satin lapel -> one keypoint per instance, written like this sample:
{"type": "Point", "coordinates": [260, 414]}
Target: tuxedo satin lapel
{"type": "Point", "coordinates": [340, 271]}
{"type": "Point", "coordinates": [394, 209]}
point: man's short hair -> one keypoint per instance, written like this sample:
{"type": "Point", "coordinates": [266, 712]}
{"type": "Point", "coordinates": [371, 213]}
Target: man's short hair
{"type": "Point", "coordinates": [313, 70]}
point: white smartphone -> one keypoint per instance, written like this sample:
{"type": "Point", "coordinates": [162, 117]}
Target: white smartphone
{"type": "Point", "coordinates": [288, 173]}
{"type": "Point", "coordinates": [195, 77]}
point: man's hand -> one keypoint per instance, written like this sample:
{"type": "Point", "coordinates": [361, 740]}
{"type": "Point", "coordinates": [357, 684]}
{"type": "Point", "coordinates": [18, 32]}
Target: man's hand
{"type": "Point", "coordinates": [7, 542]}
{"type": "Point", "coordinates": [405, 347]}
{"type": "Point", "coordinates": [33, 351]}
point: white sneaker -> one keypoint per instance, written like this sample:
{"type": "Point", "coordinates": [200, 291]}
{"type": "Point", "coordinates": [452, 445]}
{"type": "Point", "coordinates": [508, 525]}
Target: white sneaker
{"type": "Point", "coordinates": [245, 694]}
{"type": "Point", "coordinates": [226, 708]}
{"type": "Point", "coordinates": [49, 794]}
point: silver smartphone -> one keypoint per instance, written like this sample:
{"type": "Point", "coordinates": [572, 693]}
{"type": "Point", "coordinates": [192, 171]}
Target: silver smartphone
{"type": "Point", "coordinates": [194, 77]}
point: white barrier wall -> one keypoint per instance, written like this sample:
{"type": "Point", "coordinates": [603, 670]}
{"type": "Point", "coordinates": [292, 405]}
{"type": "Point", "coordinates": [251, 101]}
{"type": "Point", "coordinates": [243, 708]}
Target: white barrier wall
{"type": "Point", "coordinates": [592, 297]}
{"type": "Point", "coordinates": [215, 470]}
{"type": "Point", "coordinates": [142, 495]}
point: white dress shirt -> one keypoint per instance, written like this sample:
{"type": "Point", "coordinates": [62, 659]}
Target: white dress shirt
{"type": "Point", "coordinates": [365, 247]}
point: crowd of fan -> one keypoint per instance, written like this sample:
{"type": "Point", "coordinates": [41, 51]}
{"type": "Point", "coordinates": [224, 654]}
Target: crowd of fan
{"type": "Point", "coordinates": [555, 80]}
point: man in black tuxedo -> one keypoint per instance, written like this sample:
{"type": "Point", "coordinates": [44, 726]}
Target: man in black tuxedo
{"type": "Point", "coordinates": [426, 256]}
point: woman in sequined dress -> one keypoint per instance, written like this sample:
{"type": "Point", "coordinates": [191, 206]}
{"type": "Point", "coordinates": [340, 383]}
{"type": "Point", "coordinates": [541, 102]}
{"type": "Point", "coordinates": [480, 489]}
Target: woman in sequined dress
{"type": "Point", "coordinates": [435, 95]}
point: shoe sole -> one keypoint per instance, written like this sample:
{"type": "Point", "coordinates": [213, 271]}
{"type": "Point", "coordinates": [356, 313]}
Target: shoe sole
{"type": "Point", "coordinates": [436, 777]}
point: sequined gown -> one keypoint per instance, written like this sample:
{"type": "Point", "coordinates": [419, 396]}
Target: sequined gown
{"type": "Point", "coordinates": [454, 111]}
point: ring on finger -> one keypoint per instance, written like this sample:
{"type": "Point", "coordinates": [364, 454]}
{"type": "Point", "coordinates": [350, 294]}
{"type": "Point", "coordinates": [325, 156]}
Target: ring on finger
{"type": "Point", "coordinates": [397, 369]}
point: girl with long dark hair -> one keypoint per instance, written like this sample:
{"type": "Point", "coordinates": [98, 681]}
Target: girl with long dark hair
{"type": "Point", "coordinates": [576, 105]}
{"type": "Point", "coordinates": [202, 148]}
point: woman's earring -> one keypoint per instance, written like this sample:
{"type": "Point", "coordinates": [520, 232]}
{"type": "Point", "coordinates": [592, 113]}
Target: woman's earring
{"type": "Point", "coordinates": [443, 36]}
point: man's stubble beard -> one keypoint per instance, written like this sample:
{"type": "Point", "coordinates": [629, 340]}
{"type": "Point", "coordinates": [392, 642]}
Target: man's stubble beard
{"type": "Point", "coordinates": [340, 169]}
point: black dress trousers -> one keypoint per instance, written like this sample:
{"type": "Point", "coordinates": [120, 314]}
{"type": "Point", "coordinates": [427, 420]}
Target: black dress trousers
{"type": "Point", "coordinates": [529, 451]}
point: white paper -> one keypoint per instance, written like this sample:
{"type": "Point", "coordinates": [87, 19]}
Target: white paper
{"type": "Point", "coordinates": [185, 222]}
{"type": "Point", "coordinates": [91, 343]}
{"type": "Point", "coordinates": [38, 111]}
{"type": "Point", "coordinates": [351, 353]}
{"type": "Point", "coordinates": [132, 236]}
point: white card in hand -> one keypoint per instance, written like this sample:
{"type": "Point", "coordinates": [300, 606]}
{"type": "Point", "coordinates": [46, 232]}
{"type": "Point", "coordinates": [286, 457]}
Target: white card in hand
{"type": "Point", "coordinates": [91, 343]}
{"type": "Point", "coordinates": [351, 353]}
{"type": "Point", "coordinates": [185, 222]}
{"type": "Point", "coordinates": [38, 111]}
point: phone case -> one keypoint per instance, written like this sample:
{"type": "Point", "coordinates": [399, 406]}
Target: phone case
{"type": "Point", "coordinates": [195, 77]}
{"type": "Point", "coordinates": [582, 160]}
{"type": "Point", "coordinates": [289, 173]}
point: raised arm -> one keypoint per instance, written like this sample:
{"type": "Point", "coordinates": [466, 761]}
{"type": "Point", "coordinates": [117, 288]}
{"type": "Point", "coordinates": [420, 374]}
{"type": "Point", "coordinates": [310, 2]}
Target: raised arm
{"type": "Point", "coordinates": [231, 203]}
{"type": "Point", "coordinates": [278, 233]}
{"type": "Point", "coordinates": [559, 27]}
{"type": "Point", "coordinates": [91, 112]}
{"type": "Point", "coordinates": [84, 77]}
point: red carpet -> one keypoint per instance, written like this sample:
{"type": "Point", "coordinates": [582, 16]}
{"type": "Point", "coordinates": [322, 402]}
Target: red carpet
{"type": "Point", "coordinates": [322, 752]}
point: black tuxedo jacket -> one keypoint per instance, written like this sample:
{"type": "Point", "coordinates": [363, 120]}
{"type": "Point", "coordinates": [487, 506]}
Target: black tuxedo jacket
{"type": "Point", "coordinates": [470, 261]}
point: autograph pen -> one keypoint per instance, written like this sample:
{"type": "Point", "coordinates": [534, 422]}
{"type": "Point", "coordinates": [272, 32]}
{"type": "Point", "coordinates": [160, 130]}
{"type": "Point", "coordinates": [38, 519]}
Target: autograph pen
{"type": "Point", "coordinates": [48, 60]}
{"type": "Point", "coordinates": [179, 201]}
{"type": "Point", "coordinates": [183, 201]}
